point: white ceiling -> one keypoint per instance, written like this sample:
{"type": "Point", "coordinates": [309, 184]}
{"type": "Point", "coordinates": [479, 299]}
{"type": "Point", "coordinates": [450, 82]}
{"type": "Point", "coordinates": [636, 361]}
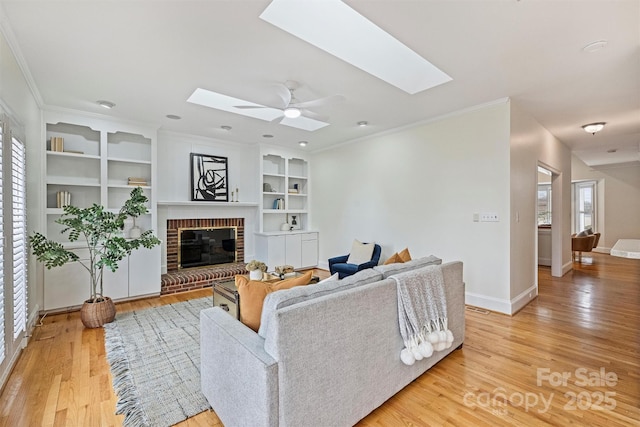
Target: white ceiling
{"type": "Point", "coordinates": [149, 56]}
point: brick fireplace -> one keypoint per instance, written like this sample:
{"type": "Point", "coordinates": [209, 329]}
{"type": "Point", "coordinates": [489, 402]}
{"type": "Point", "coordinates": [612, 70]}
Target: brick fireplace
{"type": "Point", "coordinates": [177, 280]}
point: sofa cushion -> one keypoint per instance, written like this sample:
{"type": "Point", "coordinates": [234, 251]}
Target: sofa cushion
{"type": "Point", "coordinates": [393, 259]}
{"type": "Point", "coordinates": [253, 292]}
{"type": "Point", "coordinates": [360, 252]}
{"type": "Point", "coordinates": [405, 256]}
{"type": "Point", "coordinates": [278, 300]}
{"type": "Point", "coordinates": [333, 278]}
{"type": "Point", "coordinates": [388, 270]}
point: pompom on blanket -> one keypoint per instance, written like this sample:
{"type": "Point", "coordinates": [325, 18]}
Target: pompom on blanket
{"type": "Point", "coordinates": [422, 313]}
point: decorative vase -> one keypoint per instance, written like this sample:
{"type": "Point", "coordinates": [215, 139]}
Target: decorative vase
{"type": "Point", "coordinates": [256, 274]}
{"type": "Point", "coordinates": [96, 314]}
{"type": "Point", "coordinates": [135, 232]}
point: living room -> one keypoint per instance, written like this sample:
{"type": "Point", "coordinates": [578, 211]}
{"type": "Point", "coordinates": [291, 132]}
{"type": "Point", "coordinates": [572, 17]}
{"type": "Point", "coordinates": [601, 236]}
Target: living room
{"type": "Point", "coordinates": [416, 183]}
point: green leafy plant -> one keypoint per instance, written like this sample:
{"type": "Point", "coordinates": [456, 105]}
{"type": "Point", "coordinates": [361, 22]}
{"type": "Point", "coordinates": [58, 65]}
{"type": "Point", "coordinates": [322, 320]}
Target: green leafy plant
{"type": "Point", "coordinates": [101, 231]}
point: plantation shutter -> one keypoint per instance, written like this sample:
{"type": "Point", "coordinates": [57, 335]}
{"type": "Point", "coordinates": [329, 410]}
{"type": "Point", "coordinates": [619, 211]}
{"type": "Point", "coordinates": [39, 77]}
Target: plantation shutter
{"type": "Point", "coordinates": [18, 203]}
{"type": "Point", "coordinates": [2, 323]}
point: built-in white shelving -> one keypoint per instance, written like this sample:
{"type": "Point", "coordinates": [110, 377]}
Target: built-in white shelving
{"type": "Point", "coordinates": [92, 159]}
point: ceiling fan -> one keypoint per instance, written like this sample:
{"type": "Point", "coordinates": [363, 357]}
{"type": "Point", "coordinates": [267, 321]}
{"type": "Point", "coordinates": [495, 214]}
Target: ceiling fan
{"type": "Point", "coordinates": [292, 108]}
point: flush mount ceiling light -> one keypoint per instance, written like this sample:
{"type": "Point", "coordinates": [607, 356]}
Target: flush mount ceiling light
{"type": "Point", "coordinates": [226, 127]}
{"type": "Point", "coordinates": [592, 128]}
{"type": "Point", "coordinates": [106, 104]}
{"type": "Point", "coordinates": [363, 123]}
{"type": "Point", "coordinates": [336, 28]}
{"type": "Point", "coordinates": [302, 143]}
{"type": "Point", "coordinates": [292, 112]}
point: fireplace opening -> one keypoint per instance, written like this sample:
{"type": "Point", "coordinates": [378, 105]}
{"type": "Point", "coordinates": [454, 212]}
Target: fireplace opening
{"type": "Point", "coordinates": [205, 246]}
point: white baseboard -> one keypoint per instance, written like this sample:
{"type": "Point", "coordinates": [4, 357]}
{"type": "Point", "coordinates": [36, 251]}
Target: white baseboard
{"type": "Point", "coordinates": [523, 299]}
{"type": "Point", "coordinates": [602, 250]}
{"type": "Point", "coordinates": [489, 303]}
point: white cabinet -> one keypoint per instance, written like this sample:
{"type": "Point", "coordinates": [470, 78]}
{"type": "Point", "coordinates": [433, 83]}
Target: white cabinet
{"type": "Point", "coordinates": [144, 271]}
{"type": "Point", "coordinates": [137, 275]}
{"type": "Point", "coordinates": [299, 249]}
{"type": "Point", "coordinates": [94, 160]}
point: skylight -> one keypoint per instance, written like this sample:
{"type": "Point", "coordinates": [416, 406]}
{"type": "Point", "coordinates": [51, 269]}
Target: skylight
{"type": "Point", "coordinates": [336, 28]}
{"type": "Point", "coordinates": [230, 104]}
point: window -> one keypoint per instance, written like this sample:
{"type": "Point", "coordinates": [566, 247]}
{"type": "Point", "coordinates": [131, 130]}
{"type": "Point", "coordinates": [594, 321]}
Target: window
{"type": "Point", "coordinates": [544, 204]}
{"type": "Point", "coordinates": [19, 221]}
{"type": "Point", "coordinates": [584, 205]}
{"type": "Point", "coordinates": [2, 323]}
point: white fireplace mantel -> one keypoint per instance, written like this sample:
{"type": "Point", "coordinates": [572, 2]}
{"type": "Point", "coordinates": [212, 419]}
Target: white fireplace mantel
{"type": "Point", "coordinates": [209, 204]}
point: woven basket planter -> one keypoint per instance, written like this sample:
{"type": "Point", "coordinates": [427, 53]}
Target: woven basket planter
{"type": "Point", "coordinates": [96, 314]}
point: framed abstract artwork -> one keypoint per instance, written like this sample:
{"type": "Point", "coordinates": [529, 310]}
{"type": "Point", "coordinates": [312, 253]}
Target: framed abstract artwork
{"type": "Point", "coordinates": [209, 178]}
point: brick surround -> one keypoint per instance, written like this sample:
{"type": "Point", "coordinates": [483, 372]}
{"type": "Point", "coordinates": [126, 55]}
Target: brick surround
{"type": "Point", "coordinates": [177, 280]}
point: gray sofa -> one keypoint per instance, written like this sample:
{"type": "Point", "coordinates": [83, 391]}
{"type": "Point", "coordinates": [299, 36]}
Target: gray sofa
{"type": "Point", "coordinates": [325, 354]}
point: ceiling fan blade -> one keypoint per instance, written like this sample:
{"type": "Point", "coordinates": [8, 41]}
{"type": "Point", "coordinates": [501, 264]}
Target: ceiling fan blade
{"type": "Point", "coordinates": [333, 99]}
{"type": "Point", "coordinates": [277, 119]}
{"type": "Point", "coordinates": [315, 116]}
{"type": "Point", "coordinates": [246, 107]}
{"type": "Point", "coordinates": [284, 93]}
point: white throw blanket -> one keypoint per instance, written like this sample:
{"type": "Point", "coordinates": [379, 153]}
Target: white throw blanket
{"type": "Point", "coordinates": [422, 313]}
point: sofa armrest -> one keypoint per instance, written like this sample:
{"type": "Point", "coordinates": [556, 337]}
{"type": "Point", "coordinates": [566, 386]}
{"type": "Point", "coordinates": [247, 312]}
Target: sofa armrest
{"type": "Point", "coordinates": [338, 260]}
{"type": "Point", "coordinates": [238, 378]}
{"type": "Point", "coordinates": [368, 264]}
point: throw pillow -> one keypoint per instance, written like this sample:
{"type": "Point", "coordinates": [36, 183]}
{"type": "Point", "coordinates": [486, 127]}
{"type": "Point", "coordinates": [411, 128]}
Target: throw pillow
{"type": "Point", "coordinates": [360, 252]}
{"type": "Point", "coordinates": [253, 292]}
{"type": "Point", "coordinates": [331, 278]}
{"type": "Point", "coordinates": [583, 233]}
{"type": "Point", "coordinates": [393, 259]}
{"type": "Point", "coordinates": [405, 256]}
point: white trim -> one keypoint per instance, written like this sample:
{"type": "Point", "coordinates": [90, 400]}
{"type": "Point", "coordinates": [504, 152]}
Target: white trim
{"type": "Point", "coordinates": [524, 298]}
{"type": "Point", "coordinates": [490, 303]}
{"type": "Point", "coordinates": [567, 267]}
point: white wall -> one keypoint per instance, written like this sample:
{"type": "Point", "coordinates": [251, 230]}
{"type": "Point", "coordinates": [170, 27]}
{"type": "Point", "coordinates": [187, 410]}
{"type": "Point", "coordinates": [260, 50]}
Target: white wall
{"type": "Point", "coordinates": [618, 200]}
{"type": "Point", "coordinates": [419, 187]}
{"type": "Point", "coordinates": [174, 151]}
{"type": "Point", "coordinates": [533, 145]}
{"type": "Point", "coordinates": [17, 100]}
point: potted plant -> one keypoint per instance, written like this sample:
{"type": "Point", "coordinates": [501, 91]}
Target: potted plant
{"type": "Point", "coordinates": [256, 269]}
{"type": "Point", "coordinates": [101, 233]}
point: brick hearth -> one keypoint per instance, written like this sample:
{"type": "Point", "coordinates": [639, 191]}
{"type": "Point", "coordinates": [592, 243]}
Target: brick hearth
{"type": "Point", "coordinates": [176, 280]}
{"type": "Point", "coordinates": [198, 278]}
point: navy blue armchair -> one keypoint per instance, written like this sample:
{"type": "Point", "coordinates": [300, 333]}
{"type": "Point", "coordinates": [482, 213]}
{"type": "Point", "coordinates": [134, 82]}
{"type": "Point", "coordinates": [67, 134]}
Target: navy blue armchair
{"type": "Point", "coordinates": [339, 264]}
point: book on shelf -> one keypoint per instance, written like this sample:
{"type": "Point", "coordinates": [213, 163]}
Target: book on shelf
{"type": "Point", "coordinates": [57, 144]}
{"type": "Point", "coordinates": [74, 151]}
{"type": "Point", "coordinates": [293, 191]}
{"type": "Point", "coordinates": [137, 181]}
{"type": "Point", "coordinates": [278, 203]}
{"type": "Point", "coordinates": [63, 198]}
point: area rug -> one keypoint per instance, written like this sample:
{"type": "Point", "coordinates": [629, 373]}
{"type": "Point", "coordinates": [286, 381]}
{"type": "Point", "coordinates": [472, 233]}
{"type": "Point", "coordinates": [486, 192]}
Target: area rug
{"type": "Point", "coordinates": [154, 356]}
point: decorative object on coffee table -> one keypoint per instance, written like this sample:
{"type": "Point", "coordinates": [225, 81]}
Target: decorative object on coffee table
{"type": "Point", "coordinates": [256, 269]}
{"type": "Point", "coordinates": [101, 233]}
{"type": "Point", "coordinates": [281, 270]}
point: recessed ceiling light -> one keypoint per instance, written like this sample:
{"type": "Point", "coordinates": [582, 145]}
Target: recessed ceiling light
{"type": "Point", "coordinates": [612, 150]}
{"type": "Point", "coordinates": [592, 128]}
{"type": "Point", "coordinates": [336, 28]}
{"type": "Point", "coordinates": [363, 123]}
{"type": "Point", "coordinates": [226, 127]}
{"type": "Point", "coordinates": [173, 117]}
{"type": "Point", "coordinates": [106, 104]}
{"type": "Point", "coordinates": [302, 143]}
{"type": "Point", "coordinates": [595, 46]}
{"type": "Point", "coordinates": [266, 135]}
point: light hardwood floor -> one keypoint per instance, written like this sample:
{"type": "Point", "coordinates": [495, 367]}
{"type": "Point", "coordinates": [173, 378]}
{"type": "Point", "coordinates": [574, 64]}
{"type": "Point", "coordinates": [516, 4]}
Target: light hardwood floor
{"type": "Point", "coordinates": [584, 326]}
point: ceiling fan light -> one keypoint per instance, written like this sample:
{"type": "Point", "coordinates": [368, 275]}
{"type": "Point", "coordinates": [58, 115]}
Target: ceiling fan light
{"type": "Point", "coordinates": [292, 112]}
{"type": "Point", "coordinates": [592, 128]}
